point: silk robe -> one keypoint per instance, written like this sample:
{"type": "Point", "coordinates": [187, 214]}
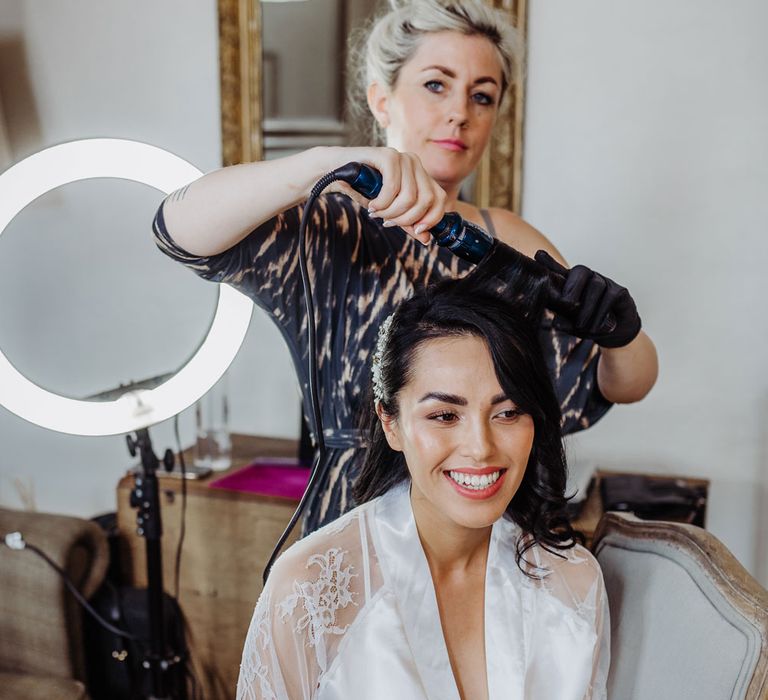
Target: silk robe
{"type": "Point", "coordinates": [350, 611]}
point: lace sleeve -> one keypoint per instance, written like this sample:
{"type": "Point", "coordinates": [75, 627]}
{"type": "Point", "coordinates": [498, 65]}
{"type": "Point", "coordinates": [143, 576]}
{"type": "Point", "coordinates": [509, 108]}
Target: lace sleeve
{"type": "Point", "coordinates": [577, 582]}
{"type": "Point", "coordinates": [313, 594]}
{"type": "Point", "coordinates": [602, 656]}
{"type": "Point", "coordinates": [260, 674]}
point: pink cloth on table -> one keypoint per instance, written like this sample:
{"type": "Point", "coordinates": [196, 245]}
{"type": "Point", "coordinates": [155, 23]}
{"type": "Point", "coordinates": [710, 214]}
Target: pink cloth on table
{"type": "Point", "coordinates": [281, 479]}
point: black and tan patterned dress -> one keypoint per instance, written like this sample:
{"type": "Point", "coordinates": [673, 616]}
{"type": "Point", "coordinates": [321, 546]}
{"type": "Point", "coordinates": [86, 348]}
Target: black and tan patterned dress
{"type": "Point", "coordinates": [359, 272]}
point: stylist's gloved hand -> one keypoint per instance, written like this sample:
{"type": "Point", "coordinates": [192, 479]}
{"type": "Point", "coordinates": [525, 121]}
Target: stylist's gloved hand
{"type": "Point", "coordinates": [590, 305]}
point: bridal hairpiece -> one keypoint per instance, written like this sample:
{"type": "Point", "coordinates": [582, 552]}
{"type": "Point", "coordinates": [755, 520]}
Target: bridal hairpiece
{"type": "Point", "coordinates": [381, 346]}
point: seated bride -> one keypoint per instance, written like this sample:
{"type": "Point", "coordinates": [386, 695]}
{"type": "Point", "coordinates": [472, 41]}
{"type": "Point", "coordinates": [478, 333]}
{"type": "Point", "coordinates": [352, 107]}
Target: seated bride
{"type": "Point", "coordinates": [458, 575]}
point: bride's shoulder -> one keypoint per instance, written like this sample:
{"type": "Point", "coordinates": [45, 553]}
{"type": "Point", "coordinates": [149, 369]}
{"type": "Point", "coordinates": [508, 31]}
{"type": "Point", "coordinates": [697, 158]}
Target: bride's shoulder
{"type": "Point", "coordinates": [572, 574]}
{"type": "Point", "coordinates": [334, 546]}
{"type": "Point", "coordinates": [575, 557]}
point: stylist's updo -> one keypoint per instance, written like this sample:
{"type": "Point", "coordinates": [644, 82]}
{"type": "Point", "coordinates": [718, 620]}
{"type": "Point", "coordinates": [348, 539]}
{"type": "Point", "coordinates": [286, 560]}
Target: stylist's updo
{"type": "Point", "coordinates": [391, 40]}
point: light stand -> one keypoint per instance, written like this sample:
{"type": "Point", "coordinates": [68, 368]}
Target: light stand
{"type": "Point", "coordinates": [145, 497]}
{"type": "Point", "coordinates": [131, 410]}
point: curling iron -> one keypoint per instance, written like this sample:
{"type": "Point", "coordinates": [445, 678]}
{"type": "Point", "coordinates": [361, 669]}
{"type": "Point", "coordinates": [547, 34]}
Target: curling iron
{"type": "Point", "coordinates": [470, 242]}
{"type": "Point", "coordinates": [461, 237]}
{"type": "Point", "coordinates": [465, 239]}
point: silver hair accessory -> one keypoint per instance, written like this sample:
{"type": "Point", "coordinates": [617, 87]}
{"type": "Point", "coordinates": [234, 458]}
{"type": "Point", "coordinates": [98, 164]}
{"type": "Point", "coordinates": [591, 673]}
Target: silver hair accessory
{"type": "Point", "coordinates": [378, 354]}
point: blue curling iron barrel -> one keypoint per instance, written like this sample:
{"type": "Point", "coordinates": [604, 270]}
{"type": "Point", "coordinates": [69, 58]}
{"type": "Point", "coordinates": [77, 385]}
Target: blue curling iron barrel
{"type": "Point", "coordinates": [461, 237]}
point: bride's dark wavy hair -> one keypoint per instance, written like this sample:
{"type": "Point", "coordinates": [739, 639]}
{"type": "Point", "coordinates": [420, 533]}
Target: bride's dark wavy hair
{"type": "Point", "coordinates": [459, 308]}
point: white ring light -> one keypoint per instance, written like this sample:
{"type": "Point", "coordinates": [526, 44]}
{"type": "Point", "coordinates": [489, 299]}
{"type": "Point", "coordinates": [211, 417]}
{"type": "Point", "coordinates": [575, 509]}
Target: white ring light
{"type": "Point", "coordinates": [149, 165]}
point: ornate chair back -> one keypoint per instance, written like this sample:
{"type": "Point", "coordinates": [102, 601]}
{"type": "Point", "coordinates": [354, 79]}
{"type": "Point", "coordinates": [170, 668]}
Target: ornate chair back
{"type": "Point", "coordinates": [687, 620]}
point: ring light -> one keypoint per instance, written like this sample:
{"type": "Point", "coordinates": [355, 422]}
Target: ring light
{"type": "Point", "coordinates": [149, 165]}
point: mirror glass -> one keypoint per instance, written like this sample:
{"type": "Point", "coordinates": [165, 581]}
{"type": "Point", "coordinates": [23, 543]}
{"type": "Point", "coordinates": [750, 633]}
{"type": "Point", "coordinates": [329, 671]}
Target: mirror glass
{"type": "Point", "coordinates": [302, 42]}
{"type": "Point", "coordinates": [304, 59]}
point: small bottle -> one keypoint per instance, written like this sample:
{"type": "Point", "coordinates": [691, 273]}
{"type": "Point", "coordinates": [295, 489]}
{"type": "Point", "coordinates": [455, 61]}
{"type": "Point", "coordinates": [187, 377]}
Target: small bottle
{"type": "Point", "coordinates": [213, 447]}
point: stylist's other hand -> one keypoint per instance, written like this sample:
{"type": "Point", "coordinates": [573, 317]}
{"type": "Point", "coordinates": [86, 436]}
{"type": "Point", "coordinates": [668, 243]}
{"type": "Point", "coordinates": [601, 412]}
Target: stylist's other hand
{"type": "Point", "coordinates": [410, 198]}
{"type": "Point", "coordinates": [590, 305]}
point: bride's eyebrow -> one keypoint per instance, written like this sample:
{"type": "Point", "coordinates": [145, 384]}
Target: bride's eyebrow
{"type": "Point", "coordinates": [458, 400]}
{"type": "Point", "coordinates": [445, 398]}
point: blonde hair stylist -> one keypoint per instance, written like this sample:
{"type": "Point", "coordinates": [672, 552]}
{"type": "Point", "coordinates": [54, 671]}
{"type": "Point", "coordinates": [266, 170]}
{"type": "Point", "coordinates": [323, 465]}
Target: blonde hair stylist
{"type": "Point", "coordinates": [437, 71]}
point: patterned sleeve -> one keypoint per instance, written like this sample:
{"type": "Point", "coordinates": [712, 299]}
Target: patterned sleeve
{"type": "Point", "coordinates": [260, 265]}
{"type": "Point", "coordinates": [572, 364]}
{"type": "Point", "coordinates": [265, 267]}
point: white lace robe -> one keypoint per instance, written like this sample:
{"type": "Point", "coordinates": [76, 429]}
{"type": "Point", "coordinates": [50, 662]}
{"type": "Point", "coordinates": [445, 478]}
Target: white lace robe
{"type": "Point", "coordinates": [350, 612]}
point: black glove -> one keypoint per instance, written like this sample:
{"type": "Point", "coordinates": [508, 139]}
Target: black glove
{"type": "Point", "coordinates": [589, 305]}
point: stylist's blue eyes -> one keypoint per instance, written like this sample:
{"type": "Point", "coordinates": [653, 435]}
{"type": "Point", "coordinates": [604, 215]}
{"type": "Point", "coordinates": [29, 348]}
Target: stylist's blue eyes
{"type": "Point", "coordinates": [481, 98]}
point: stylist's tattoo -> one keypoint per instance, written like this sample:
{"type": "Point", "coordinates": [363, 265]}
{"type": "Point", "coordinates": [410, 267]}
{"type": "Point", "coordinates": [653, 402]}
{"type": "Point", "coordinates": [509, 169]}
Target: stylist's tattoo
{"type": "Point", "coordinates": [178, 195]}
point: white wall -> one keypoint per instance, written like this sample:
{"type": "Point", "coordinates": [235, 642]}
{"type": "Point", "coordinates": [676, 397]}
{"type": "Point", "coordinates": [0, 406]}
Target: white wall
{"type": "Point", "coordinates": [646, 157]}
{"type": "Point", "coordinates": [86, 301]}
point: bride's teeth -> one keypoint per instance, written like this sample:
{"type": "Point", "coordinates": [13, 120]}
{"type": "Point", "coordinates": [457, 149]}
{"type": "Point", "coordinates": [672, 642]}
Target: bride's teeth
{"type": "Point", "coordinates": [475, 482]}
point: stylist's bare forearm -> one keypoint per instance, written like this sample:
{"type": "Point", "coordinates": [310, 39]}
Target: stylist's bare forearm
{"type": "Point", "coordinates": [221, 208]}
{"type": "Point", "coordinates": [627, 374]}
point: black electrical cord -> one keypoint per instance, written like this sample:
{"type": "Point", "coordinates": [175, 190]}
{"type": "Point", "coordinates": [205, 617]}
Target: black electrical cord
{"type": "Point", "coordinates": [316, 417]}
{"type": "Point", "coordinates": [18, 543]}
{"type": "Point", "coordinates": [183, 527]}
{"type": "Point", "coordinates": [79, 597]}
{"type": "Point", "coordinates": [189, 672]}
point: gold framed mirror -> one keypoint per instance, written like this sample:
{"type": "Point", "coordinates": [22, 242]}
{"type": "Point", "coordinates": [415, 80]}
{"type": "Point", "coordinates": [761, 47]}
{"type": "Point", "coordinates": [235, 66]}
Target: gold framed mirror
{"type": "Point", "coordinates": [242, 77]}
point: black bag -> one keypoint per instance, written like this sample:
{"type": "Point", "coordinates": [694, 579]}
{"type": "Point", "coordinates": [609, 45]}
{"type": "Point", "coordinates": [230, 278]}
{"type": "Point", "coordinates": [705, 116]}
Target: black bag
{"type": "Point", "coordinates": [113, 662]}
{"type": "Point", "coordinates": [654, 498]}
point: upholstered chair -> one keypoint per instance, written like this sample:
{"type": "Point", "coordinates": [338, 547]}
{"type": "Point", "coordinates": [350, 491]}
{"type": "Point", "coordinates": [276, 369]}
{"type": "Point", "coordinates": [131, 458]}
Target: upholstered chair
{"type": "Point", "coordinates": [687, 620]}
{"type": "Point", "coordinates": [41, 638]}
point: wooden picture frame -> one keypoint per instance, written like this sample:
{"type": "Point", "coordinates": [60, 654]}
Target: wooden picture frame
{"type": "Point", "coordinates": [240, 78]}
{"type": "Point", "coordinates": [498, 181]}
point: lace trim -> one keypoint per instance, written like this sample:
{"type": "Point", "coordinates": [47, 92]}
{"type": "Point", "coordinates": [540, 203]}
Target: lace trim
{"type": "Point", "coordinates": [253, 666]}
{"type": "Point", "coordinates": [585, 607]}
{"type": "Point", "coordinates": [321, 599]}
{"type": "Point", "coordinates": [337, 526]}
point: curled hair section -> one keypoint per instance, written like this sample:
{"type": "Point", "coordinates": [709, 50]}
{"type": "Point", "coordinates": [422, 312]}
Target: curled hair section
{"type": "Point", "coordinates": [509, 325]}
